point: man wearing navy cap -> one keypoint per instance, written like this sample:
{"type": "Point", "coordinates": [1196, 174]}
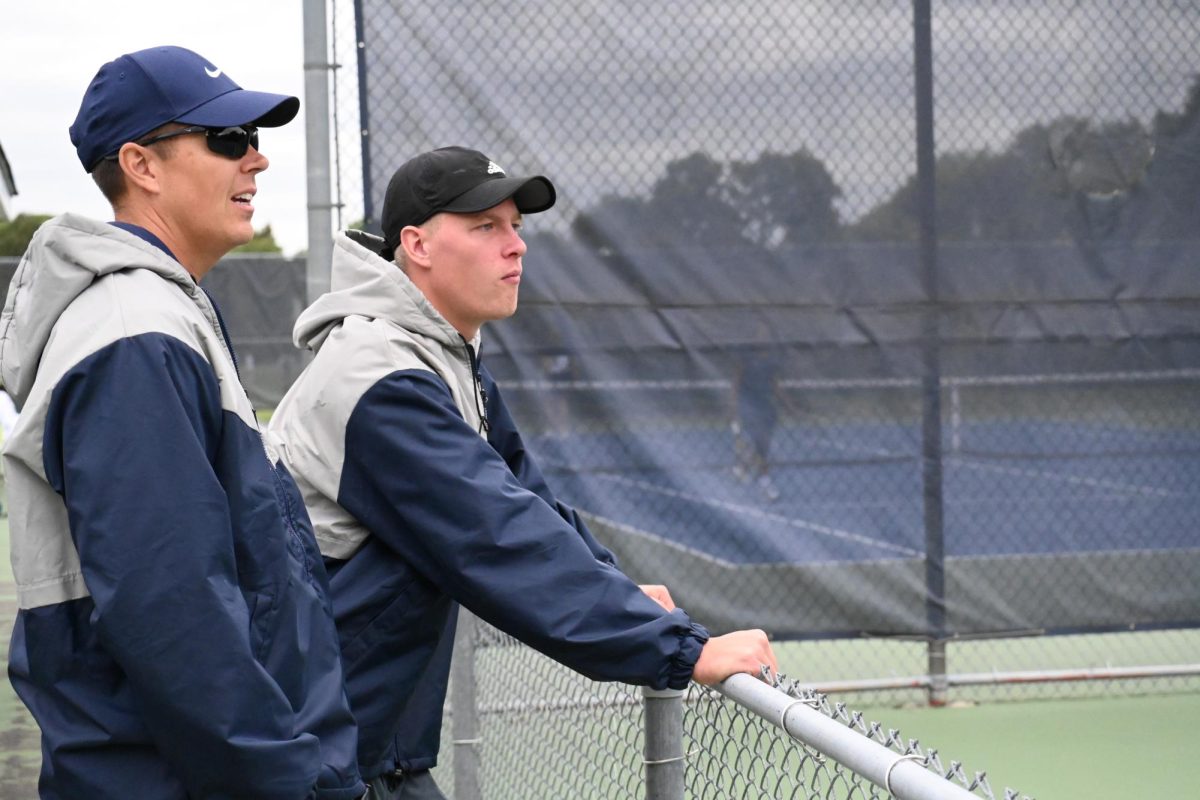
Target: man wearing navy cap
{"type": "Point", "coordinates": [420, 488]}
{"type": "Point", "coordinates": [174, 636]}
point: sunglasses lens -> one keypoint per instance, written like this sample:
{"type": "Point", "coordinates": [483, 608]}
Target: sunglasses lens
{"type": "Point", "coordinates": [232, 142]}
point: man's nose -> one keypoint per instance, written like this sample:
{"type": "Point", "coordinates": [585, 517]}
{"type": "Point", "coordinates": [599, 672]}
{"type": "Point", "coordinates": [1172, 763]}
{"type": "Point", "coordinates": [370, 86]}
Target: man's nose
{"type": "Point", "coordinates": [254, 161]}
{"type": "Point", "coordinates": [516, 244]}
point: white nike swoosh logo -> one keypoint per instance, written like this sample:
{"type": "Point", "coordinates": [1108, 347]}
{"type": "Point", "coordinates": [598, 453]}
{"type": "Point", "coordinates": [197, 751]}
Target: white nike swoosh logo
{"type": "Point", "coordinates": [213, 73]}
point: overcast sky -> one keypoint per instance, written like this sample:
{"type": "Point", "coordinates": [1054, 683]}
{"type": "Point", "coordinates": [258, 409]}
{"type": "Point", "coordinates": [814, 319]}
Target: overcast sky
{"type": "Point", "coordinates": [602, 100]}
{"type": "Point", "coordinates": [50, 49]}
{"type": "Point", "coordinates": [601, 107]}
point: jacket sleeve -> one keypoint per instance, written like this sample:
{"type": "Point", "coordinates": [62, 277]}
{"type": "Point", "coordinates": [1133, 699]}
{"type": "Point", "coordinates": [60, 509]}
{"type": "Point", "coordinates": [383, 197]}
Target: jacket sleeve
{"type": "Point", "coordinates": [131, 437]}
{"type": "Point", "coordinates": [433, 490]}
{"type": "Point", "coordinates": [504, 437]}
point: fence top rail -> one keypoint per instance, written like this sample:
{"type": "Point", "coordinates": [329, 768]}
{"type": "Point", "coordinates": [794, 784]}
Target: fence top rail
{"type": "Point", "coordinates": [949, 382]}
{"type": "Point", "coordinates": [903, 775]}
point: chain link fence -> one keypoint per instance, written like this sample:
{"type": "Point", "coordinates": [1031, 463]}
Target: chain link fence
{"type": "Point", "coordinates": [940, 450]}
{"type": "Point", "coordinates": [935, 426]}
{"type": "Point", "coordinates": [724, 353]}
{"type": "Point", "coordinates": [520, 725]}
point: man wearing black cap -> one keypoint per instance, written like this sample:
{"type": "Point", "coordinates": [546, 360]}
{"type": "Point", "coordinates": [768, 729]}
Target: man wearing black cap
{"type": "Point", "coordinates": [421, 491]}
{"type": "Point", "coordinates": [174, 637]}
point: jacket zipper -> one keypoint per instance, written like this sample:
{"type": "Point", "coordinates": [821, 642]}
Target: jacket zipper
{"type": "Point", "coordinates": [228, 342]}
{"type": "Point", "coordinates": [479, 392]}
{"type": "Point", "coordinates": [224, 333]}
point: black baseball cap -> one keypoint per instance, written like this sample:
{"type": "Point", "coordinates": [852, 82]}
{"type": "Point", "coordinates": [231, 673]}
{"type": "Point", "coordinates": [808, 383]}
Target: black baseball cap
{"type": "Point", "coordinates": [454, 179]}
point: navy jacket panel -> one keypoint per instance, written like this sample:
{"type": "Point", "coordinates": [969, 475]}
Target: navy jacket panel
{"type": "Point", "coordinates": [463, 526]}
{"type": "Point", "coordinates": [504, 437]}
{"type": "Point", "coordinates": [93, 742]}
{"type": "Point", "coordinates": [397, 632]}
{"type": "Point", "coordinates": [202, 658]}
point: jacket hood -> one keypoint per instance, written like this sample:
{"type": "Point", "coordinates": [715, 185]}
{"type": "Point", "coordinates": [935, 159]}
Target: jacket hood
{"type": "Point", "coordinates": [364, 284]}
{"type": "Point", "coordinates": [67, 254]}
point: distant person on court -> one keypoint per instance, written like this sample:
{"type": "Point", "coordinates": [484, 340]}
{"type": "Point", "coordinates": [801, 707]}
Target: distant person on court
{"type": "Point", "coordinates": [558, 369]}
{"type": "Point", "coordinates": [174, 637]}
{"type": "Point", "coordinates": [422, 492]}
{"type": "Point", "coordinates": [755, 411]}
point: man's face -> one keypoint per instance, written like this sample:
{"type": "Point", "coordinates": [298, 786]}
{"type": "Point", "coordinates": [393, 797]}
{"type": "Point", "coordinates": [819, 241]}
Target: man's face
{"type": "Point", "coordinates": [475, 262]}
{"type": "Point", "coordinates": [207, 199]}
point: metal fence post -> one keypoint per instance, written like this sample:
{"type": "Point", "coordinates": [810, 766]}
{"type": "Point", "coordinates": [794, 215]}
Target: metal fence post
{"type": "Point", "coordinates": [664, 757]}
{"type": "Point", "coordinates": [931, 382]}
{"type": "Point", "coordinates": [317, 136]}
{"type": "Point", "coordinates": [464, 710]}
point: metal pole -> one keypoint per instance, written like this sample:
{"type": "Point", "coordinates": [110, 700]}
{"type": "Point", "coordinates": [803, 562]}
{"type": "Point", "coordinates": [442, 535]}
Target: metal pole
{"type": "Point", "coordinates": [464, 710]}
{"type": "Point", "coordinates": [931, 414]}
{"type": "Point", "coordinates": [370, 222]}
{"type": "Point", "coordinates": [316, 130]}
{"type": "Point", "coordinates": [664, 756]}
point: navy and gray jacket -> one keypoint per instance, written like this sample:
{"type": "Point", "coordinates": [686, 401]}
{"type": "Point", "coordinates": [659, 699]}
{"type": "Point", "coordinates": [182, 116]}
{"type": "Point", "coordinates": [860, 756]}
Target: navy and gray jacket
{"type": "Point", "coordinates": [174, 637]}
{"type": "Point", "coordinates": [419, 506]}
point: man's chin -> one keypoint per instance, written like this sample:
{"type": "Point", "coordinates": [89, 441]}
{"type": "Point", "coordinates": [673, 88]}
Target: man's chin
{"type": "Point", "coordinates": [244, 237]}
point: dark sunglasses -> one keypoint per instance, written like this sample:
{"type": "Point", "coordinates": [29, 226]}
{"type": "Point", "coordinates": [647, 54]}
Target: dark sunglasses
{"type": "Point", "coordinates": [229, 142]}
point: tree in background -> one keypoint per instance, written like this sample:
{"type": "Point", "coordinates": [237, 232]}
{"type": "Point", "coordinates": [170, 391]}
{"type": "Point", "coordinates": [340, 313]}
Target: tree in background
{"type": "Point", "coordinates": [702, 212]}
{"type": "Point", "coordinates": [1069, 179]}
{"type": "Point", "coordinates": [777, 199]}
{"type": "Point", "coordinates": [688, 205]}
{"type": "Point", "coordinates": [610, 222]}
{"type": "Point", "coordinates": [981, 195]}
{"type": "Point", "coordinates": [1171, 203]}
{"type": "Point", "coordinates": [784, 198]}
{"type": "Point", "coordinates": [263, 242]}
{"type": "Point", "coordinates": [16, 233]}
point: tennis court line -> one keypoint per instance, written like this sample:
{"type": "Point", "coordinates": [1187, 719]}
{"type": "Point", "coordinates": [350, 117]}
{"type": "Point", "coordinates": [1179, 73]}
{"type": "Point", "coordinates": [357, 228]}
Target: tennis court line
{"type": "Point", "coordinates": [600, 520]}
{"type": "Point", "coordinates": [1095, 483]}
{"type": "Point", "coordinates": [752, 511]}
{"type": "Point", "coordinates": [695, 552]}
{"type": "Point", "coordinates": [1024, 472]}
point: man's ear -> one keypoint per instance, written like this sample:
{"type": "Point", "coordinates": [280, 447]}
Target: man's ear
{"type": "Point", "coordinates": [141, 167]}
{"type": "Point", "coordinates": [415, 243]}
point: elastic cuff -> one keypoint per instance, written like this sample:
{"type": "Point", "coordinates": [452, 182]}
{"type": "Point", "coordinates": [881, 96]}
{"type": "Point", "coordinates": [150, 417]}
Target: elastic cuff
{"type": "Point", "coordinates": [691, 642]}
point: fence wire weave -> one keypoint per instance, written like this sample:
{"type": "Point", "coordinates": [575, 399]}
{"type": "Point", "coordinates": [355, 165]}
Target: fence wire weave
{"type": "Point", "coordinates": [724, 356]}
{"type": "Point", "coordinates": [739, 217]}
{"type": "Point", "coordinates": [547, 732]}
{"type": "Point", "coordinates": [738, 207]}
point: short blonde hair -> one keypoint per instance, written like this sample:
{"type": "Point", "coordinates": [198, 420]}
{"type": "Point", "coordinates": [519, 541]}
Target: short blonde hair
{"type": "Point", "coordinates": [109, 176]}
{"type": "Point", "coordinates": [429, 225]}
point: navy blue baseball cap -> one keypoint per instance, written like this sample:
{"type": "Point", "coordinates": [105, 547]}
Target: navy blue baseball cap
{"type": "Point", "coordinates": [138, 92]}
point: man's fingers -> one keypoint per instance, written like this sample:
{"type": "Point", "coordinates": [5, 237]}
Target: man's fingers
{"type": "Point", "coordinates": [763, 654]}
{"type": "Point", "coordinates": [768, 654]}
{"type": "Point", "coordinates": [660, 595]}
{"type": "Point", "coordinates": [740, 651]}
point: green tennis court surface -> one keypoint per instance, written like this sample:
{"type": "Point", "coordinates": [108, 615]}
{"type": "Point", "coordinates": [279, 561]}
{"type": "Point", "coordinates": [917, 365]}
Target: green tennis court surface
{"type": "Point", "coordinates": [1132, 748]}
{"type": "Point", "coordinates": [1098, 747]}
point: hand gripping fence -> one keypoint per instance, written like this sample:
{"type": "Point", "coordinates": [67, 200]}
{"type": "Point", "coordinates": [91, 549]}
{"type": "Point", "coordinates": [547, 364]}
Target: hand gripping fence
{"type": "Point", "coordinates": [523, 725]}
